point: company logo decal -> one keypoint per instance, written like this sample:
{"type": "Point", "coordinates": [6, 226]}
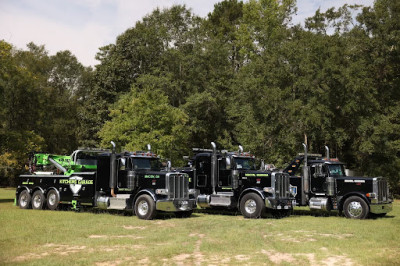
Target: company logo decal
{"type": "Point", "coordinates": [75, 183]}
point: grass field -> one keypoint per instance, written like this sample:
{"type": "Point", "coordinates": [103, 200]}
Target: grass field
{"type": "Point", "coordinates": [66, 237]}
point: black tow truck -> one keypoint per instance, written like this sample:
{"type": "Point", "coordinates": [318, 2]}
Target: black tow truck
{"type": "Point", "coordinates": [323, 185]}
{"type": "Point", "coordinates": [130, 181]}
{"type": "Point", "coordinates": [230, 180]}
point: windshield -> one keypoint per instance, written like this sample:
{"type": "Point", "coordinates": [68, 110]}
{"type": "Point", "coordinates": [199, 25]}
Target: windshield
{"type": "Point", "coordinates": [146, 163]}
{"type": "Point", "coordinates": [336, 170]}
{"type": "Point", "coordinates": [245, 163]}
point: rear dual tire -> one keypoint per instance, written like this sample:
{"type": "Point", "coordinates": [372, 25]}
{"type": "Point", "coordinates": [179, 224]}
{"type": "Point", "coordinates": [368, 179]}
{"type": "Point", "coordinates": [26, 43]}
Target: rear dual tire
{"type": "Point", "coordinates": [24, 199]}
{"type": "Point", "coordinates": [53, 199]}
{"type": "Point", "coordinates": [38, 200]}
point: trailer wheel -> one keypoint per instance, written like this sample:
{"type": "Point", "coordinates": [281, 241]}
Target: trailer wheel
{"type": "Point", "coordinates": [355, 208]}
{"type": "Point", "coordinates": [24, 199]}
{"type": "Point", "coordinates": [38, 200]}
{"type": "Point", "coordinates": [252, 206]}
{"type": "Point", "coordinates": [52, 200]}
{"type": "Point", "coordinates": [145, 207]}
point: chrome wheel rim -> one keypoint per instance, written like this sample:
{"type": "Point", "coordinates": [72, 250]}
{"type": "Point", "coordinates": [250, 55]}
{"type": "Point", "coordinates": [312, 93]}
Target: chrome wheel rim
{"type": "Point", "coordinates": [354, 209]}
{"type": "Point", "coordinates": [250, 206]}
{"type": "Point", "coordinates": [52, 199]}
{"type": "Point", "coordinates": [143, 207]}
{"type": "Point", "coordinates": [37, 200]}
{"type": "Point", "coordinates": [23, 200]}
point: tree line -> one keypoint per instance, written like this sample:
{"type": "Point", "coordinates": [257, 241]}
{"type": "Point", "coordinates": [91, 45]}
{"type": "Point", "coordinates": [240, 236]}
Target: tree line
{"type": "Point", "coordinates": [245, 74]}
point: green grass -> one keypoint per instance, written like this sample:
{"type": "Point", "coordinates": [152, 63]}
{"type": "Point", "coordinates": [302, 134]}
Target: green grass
{"type": "Point", "coordinates": [65, 237]}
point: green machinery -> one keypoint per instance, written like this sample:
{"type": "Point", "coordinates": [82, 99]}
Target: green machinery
{"type": "Point", "coordinates": [81, 160]}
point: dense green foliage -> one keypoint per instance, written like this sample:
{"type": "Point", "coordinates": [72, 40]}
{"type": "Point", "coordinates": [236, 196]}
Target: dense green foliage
{"type": "Point", "coordinates": [243, 75]}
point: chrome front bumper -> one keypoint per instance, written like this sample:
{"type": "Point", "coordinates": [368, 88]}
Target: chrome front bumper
{"type": "Point", "coordinates": [380, 208]}
{"type": "Point", "coordinates": [279, 204]}
{"type": "Point", "coordinates": [175, 205]}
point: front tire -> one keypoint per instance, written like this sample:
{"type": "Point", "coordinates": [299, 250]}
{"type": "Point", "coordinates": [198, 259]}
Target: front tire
{"type": "Point", "coordinates": [24, 199]}
{"type": "Point", "coordinates": [355, 208]}
{"type": "Point", "coordinates": [38, 200]}
{"type": "Point", "coordinates": [145, 207]}
{"type": "Point", "coordinates": [252, 206]}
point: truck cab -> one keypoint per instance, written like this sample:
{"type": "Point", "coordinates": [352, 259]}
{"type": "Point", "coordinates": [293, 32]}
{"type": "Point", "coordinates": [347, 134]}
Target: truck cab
{"type": "Point", "coordinates": [230, 180]}
{"type": "Point", "coordinates": [129, 181]}
{"type": "Point", "coordinates": [323, 185]}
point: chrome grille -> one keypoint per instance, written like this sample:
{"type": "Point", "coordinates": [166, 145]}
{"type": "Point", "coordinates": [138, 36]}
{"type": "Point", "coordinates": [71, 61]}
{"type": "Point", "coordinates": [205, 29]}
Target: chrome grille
{"type": "Point", "coordinates": [282, 186]}
{"type": "Point", "coordinates": [382, 190]}
{"type": "Point", "coordinates": [178, 186]}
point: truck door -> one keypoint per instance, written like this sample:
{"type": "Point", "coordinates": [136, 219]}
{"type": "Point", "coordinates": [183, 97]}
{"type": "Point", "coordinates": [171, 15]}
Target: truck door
{"type": "Point", "coordinates": [224, 174]}
{"type": "Point", "coordinates": [203, 171]}
{"type": "Point", "coordinates": [318, 178]}
{"type": "Point", "coordinates": [122, 173]}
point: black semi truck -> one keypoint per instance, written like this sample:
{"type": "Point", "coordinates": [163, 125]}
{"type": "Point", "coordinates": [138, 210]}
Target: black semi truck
{"type": "Point", "coordinates": [225, 179]}
{"type": "Point", "coordinates": [131, 181]}
{"type": "Point", "coordinates": [323, 185]}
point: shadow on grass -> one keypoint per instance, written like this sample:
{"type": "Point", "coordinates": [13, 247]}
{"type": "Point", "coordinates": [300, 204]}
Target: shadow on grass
{"type": "Point", "coordinates": [160, 215]}
{"type": "Point", "coordinates": [316, 213]}
{"type": "Point", "coordinates": [223, 211]}
{"type": "Point", "coordinates": [6, 200]}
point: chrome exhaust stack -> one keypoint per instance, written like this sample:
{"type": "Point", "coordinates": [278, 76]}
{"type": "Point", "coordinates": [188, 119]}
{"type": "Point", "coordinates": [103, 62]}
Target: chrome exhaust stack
{"type": "Point", "coordinates": [214, 162]}
{"type": "Point", "coordinates": [327, 152]}
{"type": "Point", "coordinates": [306, 179]}
{"type": "Point", "coordinates": [240, 149]}
{"type": "Point", "coordinates": [113, 169]}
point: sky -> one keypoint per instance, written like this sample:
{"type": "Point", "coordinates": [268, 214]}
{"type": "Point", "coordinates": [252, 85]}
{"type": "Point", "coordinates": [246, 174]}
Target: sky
{"type": "Point", "coordinates": [82, 26]}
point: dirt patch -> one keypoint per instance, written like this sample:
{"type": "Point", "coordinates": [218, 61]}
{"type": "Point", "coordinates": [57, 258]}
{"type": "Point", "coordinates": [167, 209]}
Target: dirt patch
{"type": "Point", "coordinates": [130, 227]}
{"type": "Point", "coordinates": [290, 238]}
{"type": "Point", "coordinates": [196, 257]}
{"type": "Point", "coordinates": [296, 258]}
{"type": "Point", "coordinates": [242, 258]}
{"type": "Point", "coordinates": [66, 250]}
{"type": "Point", "coordinates": [278, 257]}
{"type": "Point", "coordinates": [338, 260]}
{"type": "Point", "coordinates": [337, 236]}
{"type": "Point", "coordinates": [182, 257]}
{"type": "Point", "coordinates": [110, 237]}
{"type": "Point", "coordinates": [144, 261]}
{"type": "Point", "coordinates": [52, 249]}
{"type": "Point", "coordinates": [163, 223]}
{"type": "Point", "coordinates": [302, 236]}
{"type": "Point", "coordinates": [116, 262]}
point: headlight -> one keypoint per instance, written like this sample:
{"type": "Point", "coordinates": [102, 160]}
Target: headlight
{"type": "Point", "coordinates": [184, 205]}
{"type": "Point", "coordinates": [269, 190]}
